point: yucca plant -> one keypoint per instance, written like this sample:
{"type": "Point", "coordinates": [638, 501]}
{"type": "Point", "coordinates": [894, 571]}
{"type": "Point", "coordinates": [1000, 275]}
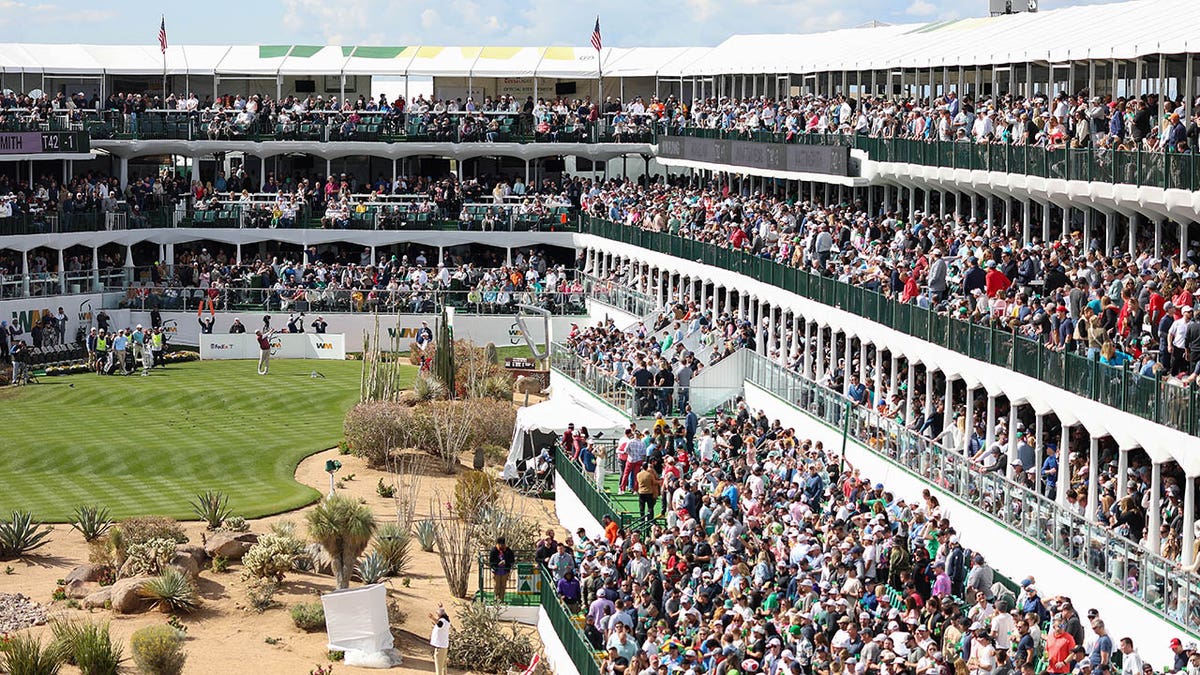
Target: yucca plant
{"type": "Point", "coordinates": [20, 535]}
{"type": "Point", "coordinates": [212, 507]}
{"type": "Point", "coordinates": [427, 388]}
{"type": "Point", "coordinates": [172, 591]}
{"type": "Point", "coordinates": [88, 646]}
{"type": "Point", "coordinates": [426, 531]}
{"type": "Point", "coordinates": [24, 654]}
{"type": "Point", "coordinates": [372, 568]}
{"type": "Point", "coordinates": [91, 521]}
{"type": "Point", "coordinates": [394, 545]}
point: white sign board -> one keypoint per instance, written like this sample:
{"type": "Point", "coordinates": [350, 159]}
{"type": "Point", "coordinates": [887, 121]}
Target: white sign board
{"type": "Point", "coordinates": [25, 312]}
{"type": "Point", "coordinates": [226, 346]}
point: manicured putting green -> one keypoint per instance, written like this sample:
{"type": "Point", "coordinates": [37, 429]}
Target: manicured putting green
{"type": "Point", "coordinates": [147, 445]}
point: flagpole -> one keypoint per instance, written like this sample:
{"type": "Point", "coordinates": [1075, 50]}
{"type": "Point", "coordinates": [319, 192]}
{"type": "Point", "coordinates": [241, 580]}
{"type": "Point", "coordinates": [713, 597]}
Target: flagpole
{"type": "Point", "coordinates": [599, 82]}
{"type": "Point", "coordinates": [163, 23]}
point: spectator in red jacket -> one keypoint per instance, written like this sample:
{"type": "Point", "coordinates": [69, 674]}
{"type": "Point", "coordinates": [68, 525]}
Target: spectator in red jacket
{"type": "Point", "coordinates": [995, 282]}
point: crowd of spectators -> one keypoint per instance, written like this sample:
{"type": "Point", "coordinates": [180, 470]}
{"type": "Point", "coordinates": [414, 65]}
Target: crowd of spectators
{"type": "Point", "coordinates": [1054, 122]}
{"type": "Point", "coordinates": [1113, 305]}
{"type": "Point", "coordinates": [356, 283]}
{"type": "Point", "coordinates": [775, 555]}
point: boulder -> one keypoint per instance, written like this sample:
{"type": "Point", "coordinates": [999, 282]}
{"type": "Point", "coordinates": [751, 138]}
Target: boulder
{"type": "Point", "coordinates": [86, 573]}
{"type": "Point", "coordinates": [126, 597]}
{"type": "Point", "coordinates": [79, 589]}
{"type": "Point", "coordinates": [231, 545]}
{"type": "Point", "coordinates": [186, 564]}
{"type": "Point", "coordinates": [196, 552]}
{"type": "Point", "coordinates": [98, 599]}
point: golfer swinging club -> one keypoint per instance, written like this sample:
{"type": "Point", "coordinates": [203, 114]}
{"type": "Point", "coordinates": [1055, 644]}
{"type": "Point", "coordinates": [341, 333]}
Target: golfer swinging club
{"type": "Point", "coordinates": [264, 350]}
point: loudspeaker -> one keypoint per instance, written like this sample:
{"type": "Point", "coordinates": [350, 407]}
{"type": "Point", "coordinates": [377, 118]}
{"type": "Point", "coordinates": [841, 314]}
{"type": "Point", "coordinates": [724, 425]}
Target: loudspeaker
{"type": "Point", "coordinates": [564, 88]}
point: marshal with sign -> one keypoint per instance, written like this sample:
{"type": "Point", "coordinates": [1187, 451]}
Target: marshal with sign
{"type": "Point", "coordinates": [44, 143]}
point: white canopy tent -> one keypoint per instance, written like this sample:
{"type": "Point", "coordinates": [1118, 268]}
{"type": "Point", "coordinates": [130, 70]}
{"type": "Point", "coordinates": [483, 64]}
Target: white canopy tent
{"type": "Point", "coordinates": [553, 416]}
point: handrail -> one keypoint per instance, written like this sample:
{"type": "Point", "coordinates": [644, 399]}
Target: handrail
{"type": "Point", "coordinates": [1126, 567]}
{"type": "Point", "coordinates": [1168, 170]}
{"type": "Point", "coordinates": [1125, 389]}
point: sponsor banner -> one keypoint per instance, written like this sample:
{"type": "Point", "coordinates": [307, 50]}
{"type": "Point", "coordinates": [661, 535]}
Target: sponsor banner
{"type": "Point", "coordinates": [183, 328]}
{"type": "Point", "coordinates": [224, 346]}
{"type": "Point", "coordinates": [80, 310]}
{"type": "Point", "coordinates": [825, 159]}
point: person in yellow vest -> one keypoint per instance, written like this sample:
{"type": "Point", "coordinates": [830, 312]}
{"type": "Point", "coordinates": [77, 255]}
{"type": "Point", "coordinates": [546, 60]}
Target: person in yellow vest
{"type": "Point", "coordinates": [156, 348]}
{"type": "Point", "coordinates": [101, 351]}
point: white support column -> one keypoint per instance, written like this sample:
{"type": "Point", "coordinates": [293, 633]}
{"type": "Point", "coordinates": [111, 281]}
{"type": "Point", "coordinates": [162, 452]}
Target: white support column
{"type": "Point", "coordinates": [862, 361]}
{"type": "Point", "coordinates": [1026, 216]}
{"type": "Point", "coordinates": [893, 384]}
{"type": "Point", "coordinates": [1122, 469]}
{"type": "Point", "coordinates": [927, 407]}
{"type": "Point", "coordinates": [819, 356]}
{"type": "Point", "coordinates": [1189, 519]}
{"type": "Point", "coordinates": [1039, 451]}
{"type": "Point", "coordinates": [1087, 227]}
{"type": "Point", "coordinates": [1153, 536]}
{"type": "Point", "coordinates": [1183, 243]}
{"type": "Point", "coordinates": [948, 403]}
{"type": "Point", "coordinates": [808, 350]}
{"type": "Point", "coordinates": [771, 338]}
{"type": "Point", "coordinates": [969, 430]}
{"type": "Point", "coordinates": [62, 273]}
{"type": "Point", "coordinates": [849, 363]}
{"type": "Point", "coordinates": [878, 393]}
{"type": "Point", "coordinates": [1132, 244]}
{"type": "Point", "coordinates": [1093, 484]}
{"type": "Point", "coordinates": [990, 433]}
{"type": "Point", "coordinates": [1045, 223]}
{"type": "Point", "coordinates": [1064, 467]}
{"type": "Point", "coordinates": [1158, 230]}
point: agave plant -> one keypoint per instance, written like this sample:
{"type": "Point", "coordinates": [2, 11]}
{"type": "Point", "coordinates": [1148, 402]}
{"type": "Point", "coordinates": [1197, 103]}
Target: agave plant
{"type": "Point", "coordinates": [373, 568]}
{"type": "Point", "coordinates": [20, 534]}
{"type": "Point", "coordinates": [392, 543]}
{"type": "Point", "coordinates": [426, 531]}
{"type": "Point", "coordinates": [91, 521]}
{"type": "Point", "coordinates": [212, 507]}
{"type": "Point", "coordinates": [172, 592]}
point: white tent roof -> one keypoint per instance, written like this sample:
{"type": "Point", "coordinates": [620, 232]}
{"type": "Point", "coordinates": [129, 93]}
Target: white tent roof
{"type": "Point", "coordinates": [1110, 31]}
{"type": "Point", "coordinates": [553, 415]}
{"type": "Point", "coordinates": [1122, 30]}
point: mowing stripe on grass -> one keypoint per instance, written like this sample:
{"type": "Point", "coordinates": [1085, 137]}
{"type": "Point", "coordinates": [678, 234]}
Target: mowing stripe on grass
{"type": "Point", "coordinates": [146, 446]}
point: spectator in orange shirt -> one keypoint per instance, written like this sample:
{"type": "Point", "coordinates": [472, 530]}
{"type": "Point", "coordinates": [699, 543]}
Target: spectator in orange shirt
{"type": "Point", "coordinates": [1058, 650]}
{"type": "Point", "coordinates": [611, 530]}
{"type": "Point", "coordinates": [995, 281]}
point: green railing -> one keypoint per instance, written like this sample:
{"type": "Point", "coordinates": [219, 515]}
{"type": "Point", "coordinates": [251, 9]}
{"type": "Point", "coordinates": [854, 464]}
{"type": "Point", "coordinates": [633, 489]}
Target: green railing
{"type": "Point", "coordinates": [55, 222]}
{"type": "Point", "coordinates": [1122, 388]}
{"type": "Point", "coordinates": [579, 649]}
{"type": "Point", "coordinates": [1170, 170]}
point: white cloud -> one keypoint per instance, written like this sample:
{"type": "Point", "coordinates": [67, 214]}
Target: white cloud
{"type": "Point", "coordinates": [921, 8]}
{"type": "Point", "coordinates": [429, 18]}
{"type": "Point", "coordinates": [339, 23]}
{"type": "Point", "coordinates": [12, 12]}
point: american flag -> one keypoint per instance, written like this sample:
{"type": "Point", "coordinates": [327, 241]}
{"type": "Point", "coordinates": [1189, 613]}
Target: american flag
{"type": "Point", "coordinates": [162, 35]}
{"type": "Point", "coordinates": [596, 44]}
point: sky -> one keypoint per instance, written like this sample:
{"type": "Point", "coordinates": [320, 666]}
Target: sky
{"type": "Point", "coordinates": [625, 23]}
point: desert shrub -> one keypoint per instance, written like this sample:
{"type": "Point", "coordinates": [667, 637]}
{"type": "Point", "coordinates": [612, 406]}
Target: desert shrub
{"type": "Point", "coordinates": [474, 491]}
{"type": "Point", "coordinates": [235, 524]}
{"type": "Point", "coordinates": [427, 388]}
{"type": "Point", "coordinates": [496, 454]}
{"type": "Point", "coordinates": [394, 545]}
{"type": "Point", "coordinates": [102, 551]}
{"type": "Point", "coordinates": [372, 568]}
{"type": "Point", "coordinates": [272, 557]}
{"type": "Point", "coordinates": [374, 429]}
{"type": "Point", "coordinates": [158, 650]}
{"type": "Point", "coordinates": [426, 531]}
{"type": "Point", "coordinates": [212, 507]}
{"type": "Point", "coordinates": [501, 520]}
{"type": "Point", "coordinates": [20, 535]}
{"type": "Point", "coordinates": [495, 420]}
{"type": "Point", "coordinates": [219, 564]}
{"type": "Point", "coordinates": [91, 521]}
{"type": "Point", "coordinates": [149, 557]}
{"type": "Point", "coordinates": [308, 616]}
{"type": "Point", "coordinates": [142, 529]}
{"type": "Point", "coordinates": [481, 642]}
{"type": "Point", "coordinates": [261, 594]}
{"type": "Point", "coordinates": [385, 490]}
{"type": "Point", "coordinates": [88, 646]}
{"type": "Point", "coordinates": [24, 654]}
{"type": "Point", "coordinates": [172, 591]}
